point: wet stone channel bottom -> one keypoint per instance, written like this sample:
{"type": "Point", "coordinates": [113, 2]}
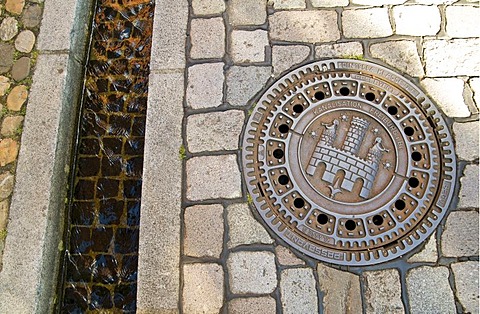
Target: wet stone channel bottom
{"type": "Point", "coordinates": [100, 264]}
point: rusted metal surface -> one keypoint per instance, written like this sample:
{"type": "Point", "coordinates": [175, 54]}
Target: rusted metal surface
{"type": "Point", "coordinates": [348, 162]}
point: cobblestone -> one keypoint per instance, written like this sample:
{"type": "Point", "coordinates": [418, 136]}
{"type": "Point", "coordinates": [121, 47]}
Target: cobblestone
{"type": "Point", "coordinates": [429, 290]}
{"type": "Point", "coordinates": [466, 284]}
{"type": "Point", "coordinates": [4, 205]}
{"type": "Point", "coordinates": [452, 57]}
{"type": "Point", "coordinates": [284, 57]}
{"type": "Point", "coordinates": [15, 6]}
{"type": "Point", "coordinates": [208, 38]}
{"type": "Point", "coordinates": [244, 82]}
{"type": "Point", "coordinates": [286, 257]}
{"type": "Point", "coordinates": [6, 61]}
{"type": "Point", "coordinates": [317, 26]}
{"type": "Point", "coordinates": [203, 288]}
{"type": "Point", "coordinates": [205, 85]}
{"type": "Point", "coordinates": [475, 86]}
{"type": "Point", "coordinates": [264, 305]}
{"type": "Point", "coordinates": [25, 41]}
{"type": "Point", "coordinates": [400, 54]}
{"type": "Point", "coordinates": [462, 21]}
{"type": "Point", "coordinates": [247, 12]}
{"type": "Point", "coordinates": [329, 3]}
{"type": "Point", "coordinates": [383, 293]}
{"type": "Point", "coordinates": [8, 151]}
{"type": "Point", "coordinates": [460, 227]}
{"type": "Point", "coordinates": [342, 50]}
{"type": "Point", "coordinates": [466, 135]}
{"type": "Point", "coordinates": [6, 185]}
{"type": "Point", "coordinates": [417, 20]}
{"type": "Point", "coordinates": [341, 290]}
{"type": "Point", "coordinates": [17, 98]}
{"type": "Point", "coordinates": [358, 23]}
{"type": "Point", "coordinates": [4, 85]}
{"type": "Point", "coordinates": [428, 253]}
{"type": "Point", "coordinates": [221, 173]}
{"type": "Point", "coordinates": [288, 4]}
{"type": "Point", "coordinates": [434, 1]}
{"type": "Point", "coordinates": [448, 95]}
{"type": "Point", "coordinates": [297, 288]}
{"type": "Point", "coordinates": [8, 28]}
{"type": "Point", "coordinates": [204, 230]}
{"type": "Point", "coordinates": [378, 2]}
{"type": "Point", "coordinates": [32, 16]}
{"type": "Point", "coordinates": [252, 272]}
{"type": "Point", "coordinates": [214, 131]}
{"type": "Point", "coordinates": [244, 229]}
{"type": "Point", "coordinates": [249, 46]}
{"type": "Point", "coordinates": [21, 69]}
{"type": "Point", "coordinates": [207, 7]}
{"type": "Point", "coordinates": [469, 187]}
{"type": "Point", "coordinates": [11, 125]}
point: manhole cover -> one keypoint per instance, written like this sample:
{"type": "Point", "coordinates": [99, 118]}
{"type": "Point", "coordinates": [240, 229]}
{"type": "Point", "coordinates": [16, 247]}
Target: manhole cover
{"type": "Point", "coordinates": [348, 162]}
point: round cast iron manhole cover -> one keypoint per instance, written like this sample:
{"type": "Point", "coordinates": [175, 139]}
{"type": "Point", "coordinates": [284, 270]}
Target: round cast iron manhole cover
{"type": "Point", "coordinates": [348, 162]}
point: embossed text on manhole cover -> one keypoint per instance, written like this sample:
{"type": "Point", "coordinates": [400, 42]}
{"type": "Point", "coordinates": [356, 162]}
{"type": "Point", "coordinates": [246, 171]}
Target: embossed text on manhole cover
{"type": "Point", "coordinates": [348, 162]}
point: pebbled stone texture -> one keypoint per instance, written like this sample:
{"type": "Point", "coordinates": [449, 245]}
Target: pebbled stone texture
{"type": "Point", "coordinates": [243, 83]}
{"type": "Point", "coordinates": [342, 50]}
{"type": "Point", "coordinates": [358, 23]}
{"type": "Point", "coordinates": [401, 54]}
{"type": "Point", "coordinates": [252, 272]}
{"type": "Point", "coordinates": [207, 7]}
{"type": "Point", "coordinates": [466, 137]}
{"type": "Point", "coordinates": [243, 228]}
{"type": "Point", "coordinates": [284, 57]}
{"type": "Point", "coordinates": [203, 288]}
{"type": "Point", "coordinates": [264, 305]}
{"type": "Point", "coordinates": [383, 293]}
{"type": "Point", "coordinates": [208, 38]}
{"type": "Point", "coordinates": [297, 288]}
{"type": "Point", "coordinates": [428, 253]}
{"type": "Point", "coordinates": [249, 46]}
{"type": "Point", "coordinates": [466, 284]}
{"type": "Point", "coordinates": [205, 85]}
{"type": "Point", "coordinates": [452, 57]}
{"type": "Point", "coordinates": [460, 228]}
{"type": "Point", "coordinates": [247, 12]}
{"type": "Point", "coordinates": [469, 187]}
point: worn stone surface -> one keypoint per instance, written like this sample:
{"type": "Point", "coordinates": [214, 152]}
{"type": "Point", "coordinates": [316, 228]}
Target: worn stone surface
{"type": "Point", "coordinates": [466, 284]}
{"type": "Point", "coordinates": [298, 291]}
{"type": "Point", "coordinates": [8, 151]}
{"type": "Point", "coordinates": [433, 1]}
{"type": "Point", "coordinates": [203, 288]}
{"type": "Point", "coordinates": [329, 3]}
{"type": "Point", "coordinates": [17, 97]}
{"type": "Point", "coordinates": [21, 69]}
{"type": "Point", "coordinates": [383, 292]}
{"type": "Point", "coordinates": [8, 28]}
{"type": "Point", "coordinates": [469, 187]}
{"type": "Point", "coordinates": [416, 20]}
{"type": "Point", "coordinates": [248, 46]}
{"type": "Point", "coordinates": [243, 83]}
{"type": "Point", "coordinates": [32, 16]}
{"type": "Point", "coordinates": [6, 185]}
{"type": "Point", "coordinates": [304, 26]}
{"type": "Point", "coordinates": [288, 4]}
{"type": "Point", "coordinates": [244, 228]}
{"type": "Point", "coordinates": [448, 95]}
{"type": "Point", "coordinates": [4, 85]}
{"type": "Point", "coordinates": [221, 173]}
{"type": "Point", "coordinates": [205, 85]}
{"type": "Point", "coordinates": [358, 23]}
{"type": "Point", "coordinates": [475, 86]}
{"type": "Point", "coordinates": [11, 125]}
{"type": "Point", "coordinates": [214, 131]}
{"type": "Point", "coordinates": [429, 291]}
{"type": "Point", "coordinates": [401, 54]}
{"type": "Point", "coordinates": [208, 38]}
{"type": "Point", "coordinates": [207, 7]}
{"type": "Point", "coordinates": [4, 205]}
{"type": "Point", "coordinates": [15, 6]}
{"type": "Point", "coordinates": [452, 57]}
{"type": "Point", "coordinates": [341, 290]}
{"type": "Point", "coordinates": [428, 253]}
{"type": "Point", "coordinates": [284, 57]}
{"type": "Point", "coordinates": [6, 62]}
{"type": "Point", "coordinates": [252, 272]}
{"type": "Point", "coordinates": [378, 2]}
{"type": "Point", "coordinates": [286, 257]}
{"type": "Point", "coordinates": [342, 50]}
{"type": "Point", "coordinates": [264, 305]}
{"type": "Point", "coordinates": [466, 137]}
{"type": "Point", "coordinates": [462, 21]}
{"type": "Point", "coordinates": [203, 231]}
{"type": "Point", "coordinates": [25, 41]}
{"type": "Point", "coordinates": [247, 12]}
{"type": "Point", "coordinates": [460, 227]}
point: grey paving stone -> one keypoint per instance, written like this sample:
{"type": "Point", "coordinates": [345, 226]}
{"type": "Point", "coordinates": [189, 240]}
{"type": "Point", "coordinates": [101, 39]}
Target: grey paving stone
{"type": "Point", "coordinates": [286, 257]}
{"type": "Point", "coordinates": [452, 57]}
{"type": "Point", "coordinates": [460, 234]}
{"type": "Point", "coordinates": [52, 37]}
{"type": "Point", "coordinates": [203, 288]}
{"type": "Point", "coordinates": [416, 20]}
{"type": "Point", "coordinates": [32, 15]}
{"type": "Point", "coordinates": [8, 28]}
{"type": "Point", "coordinates": [252, 272]}
{"type": "Point", "coordinates": [243, 83]}
{"type": "Point", "coordinates": [358, 23]}
{"type": "Point", "coordinates": [317, 26]}
{"type": "Point", "coordinates": [248, 46]}
{"type": "Point", "coordinates": [469, 187]}
{"type": "Point", "coordinates": [448, 95]}
{"type": "Point", "coordinates": [247, 12]}
{"type": "Point", "coordinates": [264, 305]}
{"type": "Point", "coordinates": [466, 284]}
{"type": "Point", "coordinates": [244, 228]}
{"type": "Point", "coordinates": [462, 21]}
{"type": "Point", "coordinates": [383, 292]}
{"type": "Point", "coordinates": [203, 231]}
{"type": "Point", "coordinates": [208, 38]}
{"type": "Point", "coordinates": [214, 131]}
{"type": "Point", "coordinates": [342, 50]}
{"type": "Point", "coordinates": [401, 54]}
{"type": "Point", "coordinates": [284, 57]}
{"type": "Point", "coordinates": [329, 3]}
{"type": "Point", "coordinates": [429, 252]}
{"type": "Point", "coordinates": [341, 290]}
{"type": "Point", "coordinates": [25, 41]}
{"type": "Point", "coordinates": [298, 291]}
{"type": "Point", "coordinates": [212, 177]}
{"type": "Point", "coordinates": [21, 69]}
{"type": "Point", "coordinates": [207, 7]}
{"type": "Point", "coordinates": [6, 61]}
{"type": "Point", "coordinates": [288, 4]}
{"type": "Point", "coordinates": [205, 85]}
{"type": "Point", "coordinates": [466, 137]}
{"type": "Point", "coordinates": [429, 291]}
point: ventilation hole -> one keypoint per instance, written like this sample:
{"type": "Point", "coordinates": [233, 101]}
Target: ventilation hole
{"type": "Point", "coordinates": [283, 179]}
{"type": "Point", "coordinates": [322, 219]}
{"type": "Point", "coordinates": [350, 225]}
{"type": "Point", "coordinates": [278, 153]}
{"type": "Point", "coordinates": [370, 96]}
{"type": "Point", "coordinates": [377, 220]}
{"type": "Point", "coordinates": [413, 182]}
{"type": "Point", "coordinates": [392, 110]}
{"type": "Point", "coordinates": [319, 95]}
{"type": "Point", "coordinates": [299, 203]}
{"type": "Point", "coordinates": [409, 131]}
{"type": "Point", "coordinates": [298, 108]}
{"type": "Point", "coordinates": [283, 128]}
{"type": "Point", "coordinates": [399, 204]}
{"type": "Point", "coordinates": [344, 91]}
{"type": "Point", "coordinates": [416, 156]}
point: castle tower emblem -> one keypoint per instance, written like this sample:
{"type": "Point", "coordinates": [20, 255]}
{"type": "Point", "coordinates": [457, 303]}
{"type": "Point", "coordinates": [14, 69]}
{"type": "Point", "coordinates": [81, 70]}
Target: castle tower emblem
{"type": "Point", "coordinates": [347, 158]}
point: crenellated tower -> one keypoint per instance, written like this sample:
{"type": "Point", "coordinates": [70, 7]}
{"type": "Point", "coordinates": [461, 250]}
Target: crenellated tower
{"type": "Point", "coordinates": [355, 135]}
